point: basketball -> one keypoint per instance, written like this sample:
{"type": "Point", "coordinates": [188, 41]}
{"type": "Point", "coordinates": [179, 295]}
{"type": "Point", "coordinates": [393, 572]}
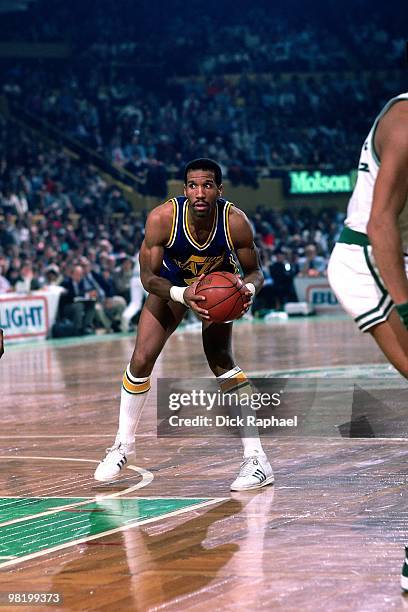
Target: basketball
{"type": "Point", "coordinates": [224, 296]}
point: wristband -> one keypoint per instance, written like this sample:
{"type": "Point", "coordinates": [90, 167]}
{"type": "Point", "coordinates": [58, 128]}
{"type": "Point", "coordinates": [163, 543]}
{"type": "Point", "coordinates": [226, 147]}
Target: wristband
{"type": "Point", "coordinates": [402, 310]}
{"type": "Point", "coordinates": [177, 294]}
{"type": "Point", "coordinates": [251, 288]}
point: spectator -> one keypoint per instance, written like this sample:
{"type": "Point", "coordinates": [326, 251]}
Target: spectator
{"type": "Point", "coordinates": [282, 274]}
{"type": "Point", "coordinates": [77, 303]}
{"type": "Point", "coordinates": [312, 264]}
{"type": "Point", "coordinates": [27, 281]}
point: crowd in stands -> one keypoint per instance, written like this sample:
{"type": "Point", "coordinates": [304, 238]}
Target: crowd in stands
{"type": "Point", "coordinates": [59, 219]}
{"type": "Point", "coordinates": [279, 107]}
{"type": "Point", "coordinates": [62, 228]}
{"type": "Point", "coordinates": [221, 37]}
{"type": "Point", "coordinates": [254, 126]}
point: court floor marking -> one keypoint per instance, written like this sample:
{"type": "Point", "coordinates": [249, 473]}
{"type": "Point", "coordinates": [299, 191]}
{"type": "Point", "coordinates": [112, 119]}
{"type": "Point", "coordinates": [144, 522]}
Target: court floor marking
{"type": "Point", "coordinates": [53, 437]}
{"type": "Point", "coordinates": [365, 369]}
{"type": "Point", "coordinates": [147, 478]}
{"type": "Point", "coordinates": [47, 551]}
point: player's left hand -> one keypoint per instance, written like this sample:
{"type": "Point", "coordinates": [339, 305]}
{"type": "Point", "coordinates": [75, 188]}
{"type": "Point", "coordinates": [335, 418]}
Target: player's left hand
{"type": "Point", "coordinates": [249, 298]}
{"type": "Point", "coordinates": [193, 301]}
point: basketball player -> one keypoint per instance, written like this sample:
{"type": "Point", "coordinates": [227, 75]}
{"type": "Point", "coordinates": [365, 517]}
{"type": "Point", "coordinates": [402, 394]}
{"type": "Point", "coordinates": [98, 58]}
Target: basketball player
{"type": "Point", "coordinates": [368, 268]}
{"type": "Point", "coordinates": [187, 237]}
{"type": "Point", "coordinates": [369, 265]}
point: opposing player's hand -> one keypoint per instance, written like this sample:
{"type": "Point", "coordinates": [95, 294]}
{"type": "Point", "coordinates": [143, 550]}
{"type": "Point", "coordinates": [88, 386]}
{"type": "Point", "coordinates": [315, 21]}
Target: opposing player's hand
{"type": "Point", "coordinates": [193, 301]}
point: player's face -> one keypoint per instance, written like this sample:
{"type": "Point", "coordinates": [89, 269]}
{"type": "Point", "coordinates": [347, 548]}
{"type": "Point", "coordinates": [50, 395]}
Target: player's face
{"type": "Point", "coordinates": [202, 192]}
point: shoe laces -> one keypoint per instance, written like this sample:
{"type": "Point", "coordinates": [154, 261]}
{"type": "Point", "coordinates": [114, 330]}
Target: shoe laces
{"type": "Point", "coordinates": [117, 446]}
{"type": "Point", "coordinates": [247, 466]}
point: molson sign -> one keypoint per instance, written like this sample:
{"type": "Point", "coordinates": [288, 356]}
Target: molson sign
{"type": "Point", "coordinates": [303, 182]}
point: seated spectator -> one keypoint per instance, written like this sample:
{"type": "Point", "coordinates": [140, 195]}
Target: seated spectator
{"type": "Point", "coordinates": [4, 283]}
{"type": "Point", "coordinates": [26, 281]}
{"type": "Point", "coordinates": [52, 279]}
{"type": "Point", "coordinates": [282, 275]}
{"type": "Point", "coordinates": [109, 306]}
{"type": "Point", "coordinates": [77, 303]}
{"type": "Point", "coordinates": [312, 264]}
{"type": "Point", "coordinates": [122, 278]}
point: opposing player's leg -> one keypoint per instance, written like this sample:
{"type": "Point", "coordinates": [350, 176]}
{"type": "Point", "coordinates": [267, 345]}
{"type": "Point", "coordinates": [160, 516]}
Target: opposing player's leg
{"type": "Point", "coordinates": [356, 282]}
{"type": "Point", "coordinates": [392, 338]}
{"type": "Point", "coordinates": [158, 321]}
{"type": "Point", "coordinates": [255, 470]}
{"type": "Point", "coordinates": [404, 572]}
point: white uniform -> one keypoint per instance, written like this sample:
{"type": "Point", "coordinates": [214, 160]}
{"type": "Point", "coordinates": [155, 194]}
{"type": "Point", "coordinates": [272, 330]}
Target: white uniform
{"type": "Point", "coordinates": [352, 271]}
{"type": "Point", "coordinates": [137, 295]}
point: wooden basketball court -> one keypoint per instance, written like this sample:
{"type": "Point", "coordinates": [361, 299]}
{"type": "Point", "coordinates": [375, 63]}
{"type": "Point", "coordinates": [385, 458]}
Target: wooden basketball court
{"type": "Point", "coordinates": [329, 535]}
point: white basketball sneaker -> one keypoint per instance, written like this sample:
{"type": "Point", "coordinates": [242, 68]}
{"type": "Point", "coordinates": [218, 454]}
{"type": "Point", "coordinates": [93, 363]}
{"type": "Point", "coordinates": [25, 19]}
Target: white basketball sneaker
{"type": "Point", "coordinates": [116, 458]}
{"type": "Point", "coordinates": [255, 472]}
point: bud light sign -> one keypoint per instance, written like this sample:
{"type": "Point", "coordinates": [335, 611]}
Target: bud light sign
{"type": "Point", "coordinates": [24, 317]}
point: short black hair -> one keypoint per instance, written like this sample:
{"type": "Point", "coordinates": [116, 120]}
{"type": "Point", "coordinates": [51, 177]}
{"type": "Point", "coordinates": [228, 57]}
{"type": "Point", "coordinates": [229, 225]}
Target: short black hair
{"type": "Point", "coordinates": [203, 163]}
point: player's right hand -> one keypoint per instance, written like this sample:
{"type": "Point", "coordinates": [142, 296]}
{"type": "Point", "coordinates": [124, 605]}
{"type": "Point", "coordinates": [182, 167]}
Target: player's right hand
{"type": "Point", "coordinates": [193, 301]}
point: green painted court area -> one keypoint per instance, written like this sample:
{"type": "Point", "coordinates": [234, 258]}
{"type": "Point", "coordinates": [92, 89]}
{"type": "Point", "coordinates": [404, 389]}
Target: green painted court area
{"type": "Point", "coordinates": [26, 533]}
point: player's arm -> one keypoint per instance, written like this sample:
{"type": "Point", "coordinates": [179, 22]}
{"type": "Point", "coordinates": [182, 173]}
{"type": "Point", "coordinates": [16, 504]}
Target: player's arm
{"type": "Point", "coordinates": [157, 233]}
{"type": "Point", "coordinates": [242, 238]}
{"type": "Point", "coordinates": [1, 342]}
{"type": "Point", "coordinates": [390, 196]}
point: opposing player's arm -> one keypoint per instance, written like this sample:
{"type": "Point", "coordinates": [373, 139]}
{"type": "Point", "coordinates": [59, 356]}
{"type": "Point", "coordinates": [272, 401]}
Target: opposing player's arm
{"type": "Point", "coordinates": [390, 196]}
{"type": "Point", "coordinates": [157, 233]}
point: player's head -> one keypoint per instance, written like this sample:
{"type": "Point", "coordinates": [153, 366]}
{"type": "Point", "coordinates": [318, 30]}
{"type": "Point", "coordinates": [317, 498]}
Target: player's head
{"type": "Point", "coordinates": [204, 163]}
{"type": "Point", "coordinates": [202, 186]}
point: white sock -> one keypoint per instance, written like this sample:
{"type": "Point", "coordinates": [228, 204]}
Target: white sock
{"type": "Point", "coordinates": [132, 398]}
{"type": "Point", "coordinates": [236, 381]}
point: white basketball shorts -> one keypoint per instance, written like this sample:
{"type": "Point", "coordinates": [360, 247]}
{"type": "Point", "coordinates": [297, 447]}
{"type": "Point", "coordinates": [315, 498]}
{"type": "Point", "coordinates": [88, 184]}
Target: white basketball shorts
{"type": "Point", "coordinates": [356, 281]}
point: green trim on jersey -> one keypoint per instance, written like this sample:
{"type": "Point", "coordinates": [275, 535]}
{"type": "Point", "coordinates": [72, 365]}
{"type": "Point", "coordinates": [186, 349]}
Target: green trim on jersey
{"type": "Point", "coordinates": [350, 236]}
{"type": "Point", "coordinates": [381, 311]}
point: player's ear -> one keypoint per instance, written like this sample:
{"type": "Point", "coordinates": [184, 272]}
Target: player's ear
{"type": "Point", "coordinates": [185, 186]}
{"type": "Point", "coordinates": [220, 189]}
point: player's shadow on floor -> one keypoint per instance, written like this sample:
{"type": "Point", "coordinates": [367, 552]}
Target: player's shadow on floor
{"type": "Point", "coordinates": [155, 567]}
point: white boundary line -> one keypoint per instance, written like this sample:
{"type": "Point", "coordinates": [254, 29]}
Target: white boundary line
{"type": "Point", "coordinates": [321, 369]}
{"type": "Point", "coordinates": [111, 531]}
{"type": "Point", "coordinates": [98, 499]}
{"type": "Point", "coordinates": [59, 436]}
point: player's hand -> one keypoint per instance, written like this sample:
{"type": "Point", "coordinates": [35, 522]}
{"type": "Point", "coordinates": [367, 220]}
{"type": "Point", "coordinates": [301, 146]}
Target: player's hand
{"type": "Point", "coordinates": [1, 343]}
{"type": "Point", "coordinates": [248, 303]}
{"type": "Point", "coordinates": [249, 298]}
{"type": "Point", "coordinates": [193, 301]}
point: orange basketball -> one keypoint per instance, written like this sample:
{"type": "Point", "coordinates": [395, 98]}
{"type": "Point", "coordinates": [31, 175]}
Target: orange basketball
{"type": "Point", "coordinates": [224, 296]}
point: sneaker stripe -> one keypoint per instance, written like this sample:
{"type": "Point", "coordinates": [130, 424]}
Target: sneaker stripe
{"type": "Point", "coordinates": [260, 475]}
